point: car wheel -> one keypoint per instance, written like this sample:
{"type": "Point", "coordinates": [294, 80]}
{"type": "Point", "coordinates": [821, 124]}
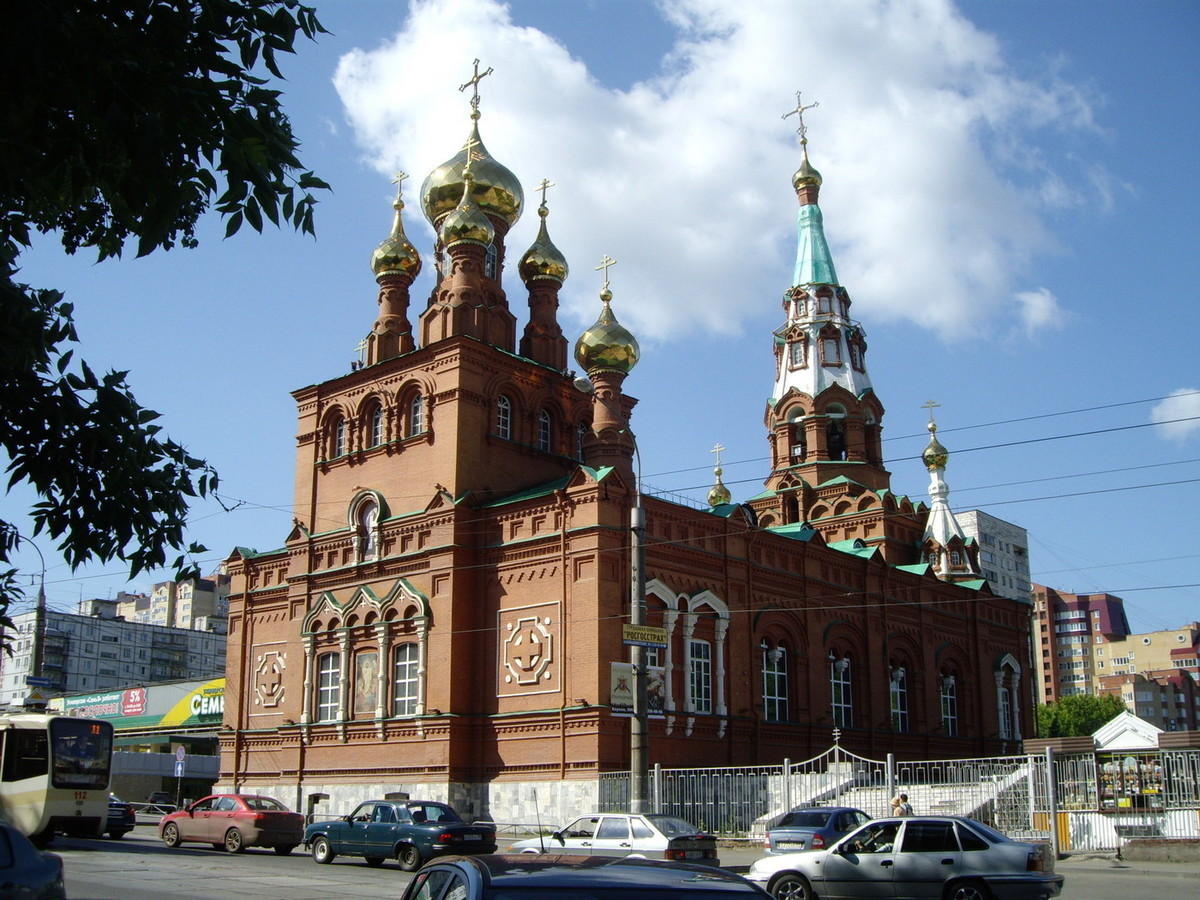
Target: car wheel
{"type": "Point", "coordinates": [374, 861]}
{"type": "Point", "coordinates": [321, 851]}
{"type": "Point", "coordinates": [409, 858]}
{"type": "Point", "coordinates": [968, 890]}
{"type": "Point", "coordinates": [234, 842]}
{"type": "Point", "coordinates": [792, 887]}
{"type": "Point", "coordinates": [170, 835]}
{"type": "Point", "coordinates": [284, 849]}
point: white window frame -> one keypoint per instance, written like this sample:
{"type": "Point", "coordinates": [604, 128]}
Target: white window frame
{"type": "Point", "coordinates": [700, 676]}
{"type": "Point", "coordinates": [775, 683]}
{"type": "Point", "coordinates": [406, 687]}
{"type": "Point", "coordinates": [329, 686]}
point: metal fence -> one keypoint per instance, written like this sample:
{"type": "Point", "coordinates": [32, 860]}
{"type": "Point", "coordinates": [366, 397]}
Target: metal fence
{"type": "Point", "coordinates": [1081, 801]}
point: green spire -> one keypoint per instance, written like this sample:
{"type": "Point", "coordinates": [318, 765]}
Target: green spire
{"type": "Point", "coordinates": [814, 262]}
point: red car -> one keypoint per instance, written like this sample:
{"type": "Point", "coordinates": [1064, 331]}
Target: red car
{"type": "Point", "coordinates": [234, 822]}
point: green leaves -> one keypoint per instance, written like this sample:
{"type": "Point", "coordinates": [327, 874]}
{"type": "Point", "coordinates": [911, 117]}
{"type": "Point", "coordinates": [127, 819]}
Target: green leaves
{"type": "Point", "coordinates": [1077, 715]}
{"type": "Point", "coordinates": [124, 121]}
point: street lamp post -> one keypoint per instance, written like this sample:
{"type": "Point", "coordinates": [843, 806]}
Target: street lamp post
{"type": "Point", "coordinates": [639, 731]}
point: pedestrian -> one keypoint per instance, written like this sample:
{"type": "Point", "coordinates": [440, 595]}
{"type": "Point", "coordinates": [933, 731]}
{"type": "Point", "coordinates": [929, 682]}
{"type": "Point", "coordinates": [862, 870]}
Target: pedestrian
{"type": "Point", "coordinates": [896, 805]}
{"type": "Point", "coordinates": [905, 808]}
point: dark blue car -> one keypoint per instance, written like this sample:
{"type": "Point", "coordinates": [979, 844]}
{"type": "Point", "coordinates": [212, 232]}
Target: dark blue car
{"type": "Point", "coordinates": [408, 831]}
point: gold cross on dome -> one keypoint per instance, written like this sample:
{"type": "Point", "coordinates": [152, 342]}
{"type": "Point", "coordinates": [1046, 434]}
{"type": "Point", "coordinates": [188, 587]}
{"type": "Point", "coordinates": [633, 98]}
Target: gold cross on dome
{"type": "Point", "coordinates": [604, 264]}
{"type": "Point", "coordinates": [717, 449]}
{"type": "Point", "coordinates": [931, 406]}
{"type": "Point", "coordinates": [798, 112]}
{"type": "Point", "coordinates": [543, 187]}
{"type": "Point", "coordinates": [473, 83]}
{"type": "Point", "coordinates": [398, 181]}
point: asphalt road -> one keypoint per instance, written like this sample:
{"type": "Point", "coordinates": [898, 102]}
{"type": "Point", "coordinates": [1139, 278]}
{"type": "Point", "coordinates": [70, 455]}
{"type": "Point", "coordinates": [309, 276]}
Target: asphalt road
{"type": "Point", "coordinates": [139, 867]}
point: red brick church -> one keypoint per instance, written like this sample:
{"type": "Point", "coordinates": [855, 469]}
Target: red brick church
{"type": "Point", "coordinates": [445, 616]}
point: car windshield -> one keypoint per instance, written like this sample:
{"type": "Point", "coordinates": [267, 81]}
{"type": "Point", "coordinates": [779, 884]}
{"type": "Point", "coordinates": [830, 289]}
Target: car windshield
{"type": "Point", "coordinates": [805, 819]}
{"type": "Point", "coordinates": [265, 803]}
{"type": "Point", "coordinates": [991, 834]}
{"type": "Point", "coordinates": [671, 826]}
{"type": "Point", "coordinates": [432, 813]}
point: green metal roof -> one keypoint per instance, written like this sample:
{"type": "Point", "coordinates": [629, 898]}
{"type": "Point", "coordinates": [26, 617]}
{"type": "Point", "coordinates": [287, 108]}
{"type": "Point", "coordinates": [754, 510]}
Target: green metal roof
{"type": "Point", "coordinates": [814, 262]}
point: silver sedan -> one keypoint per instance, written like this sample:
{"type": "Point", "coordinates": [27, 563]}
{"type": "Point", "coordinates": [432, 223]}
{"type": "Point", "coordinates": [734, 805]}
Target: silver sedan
{"type": "Point", "coordinates": [918, 858]}
{"type": "Point", "coordinates": [652, 836]}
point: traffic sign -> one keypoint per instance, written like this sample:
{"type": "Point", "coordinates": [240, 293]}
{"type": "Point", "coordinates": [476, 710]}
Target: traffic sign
{"type": "Point", "coordinates": [180, 754]}
{"type": "Point", "coordinates": [37, 681]}
{"type": "Point", "coordinates": [179, 769]}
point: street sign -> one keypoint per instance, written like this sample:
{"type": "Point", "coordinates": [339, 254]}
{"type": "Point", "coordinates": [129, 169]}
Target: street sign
{"type": "Point", "coordinates": [180, 754]}
{"type": "Point", "coordinates": [644, 636]}
{"type": "Point", "coordinates": [179, 769]}
{"type": "Point", "coordinates": [37, 681]}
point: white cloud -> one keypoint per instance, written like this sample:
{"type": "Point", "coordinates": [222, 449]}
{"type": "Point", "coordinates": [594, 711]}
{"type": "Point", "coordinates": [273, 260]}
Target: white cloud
{"type": "Point", "coordinates": [1038, 311]}
{"type": "Point", "coordinates": [685, 179]}
{"type": "Point", "coordinates": [1178, 416]}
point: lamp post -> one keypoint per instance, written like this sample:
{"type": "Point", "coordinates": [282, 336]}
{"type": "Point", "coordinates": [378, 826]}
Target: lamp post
{"type": "Point", "coordinates": [639, 732]}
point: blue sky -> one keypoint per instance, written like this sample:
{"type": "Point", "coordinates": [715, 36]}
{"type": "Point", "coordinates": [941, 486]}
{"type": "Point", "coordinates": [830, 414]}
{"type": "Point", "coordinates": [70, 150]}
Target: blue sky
{"type": "Point", "coordinates": [1009, 197]}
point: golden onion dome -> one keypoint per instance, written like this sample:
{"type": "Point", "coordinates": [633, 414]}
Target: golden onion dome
{"type": "Point", "coordinates": [806, 175]}
{"type": "Point", "coordinates": [496, 190]}
{"type": "Point", "coordinates": [935, 455]}
{"type": "Point", "coordinates": [396, 255]}
{"type": "Point", "coordinates": [543, 259]}
{"type": "Point", "coordinates": [607, 346]}
{"type": "Point", "coordinates": [467, 222]}
{"type": "Point", "coordinates": [719, 494]}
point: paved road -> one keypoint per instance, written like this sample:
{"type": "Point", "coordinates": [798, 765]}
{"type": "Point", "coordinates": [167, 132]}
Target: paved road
{"type": "Point", "coordinates": [139, 867]}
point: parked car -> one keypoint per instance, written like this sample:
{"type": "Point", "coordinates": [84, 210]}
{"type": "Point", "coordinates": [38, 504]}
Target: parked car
{"type": "Point", "coordinates": [26, 871]}
{"type": "Point", "coordinates": [408, 831]}
{"type": "Point", "coordinates": [812, 828]}
{"type": "Point", "coordinates": [234, 822]}
{"type": "Point", "coordinates": [651, 836]}
{"type": "Point", "coordinates": [121, 817]}
{"type": "Point", "coordinates": [940, 857]}
{"type": "Point", "coordinates": [557, 876]}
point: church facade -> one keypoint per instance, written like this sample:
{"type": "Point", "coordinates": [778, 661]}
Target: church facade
{"type": "Point", "coordinates": [445, 616]}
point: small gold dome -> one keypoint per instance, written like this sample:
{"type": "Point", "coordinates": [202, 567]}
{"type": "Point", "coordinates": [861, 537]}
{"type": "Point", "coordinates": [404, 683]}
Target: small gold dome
{"type": "Point", "coordinates": [543, 259]}
{"type": "Point", "coordinates": [396, 255]}
{"type": "Point", "coordinates": [719, 494]}
{"type": "Point", "coordinates": [607, 346]}
{"type": "Point", "coordinates": [806, 175]}
{"type": "Point", "coordinates": [496, 190]}
{"type": "Point", "coordinates": [935, 455]}
{"type": "Point", "coordinates": [467, 222]}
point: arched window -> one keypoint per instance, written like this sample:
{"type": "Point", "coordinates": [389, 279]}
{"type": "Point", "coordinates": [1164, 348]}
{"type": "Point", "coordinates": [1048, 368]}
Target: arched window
{"type": "Point", "coordinates": [775, 683]}
{"type": "Point", "coordinates": [898, 690]}
{"type": "Point", "coordinates": [840, 691]}
{"type": "Point", "coordinates": [949, 706]}
{"type": "Point", "coordinates": [1007, 694]}
{"type": "Point", "coordinates": [544, 430]}
{"type": "Point", "coordinates": [416, 415]}
{"type": "Point", "coordinates": [489, 262]}
{"type": "Point", "coordinates": [339, 438]}
{"type": "Point", "coordinates": [700, 676]}
{"type": "Point", "coordinates": [504, 418]}
{"type": "Point", "coordinates": [798, 353]}
{"type": "Point", "coordinates": [377, 426]}
{"type": "Point", "coordinates": [366, 527]}
{"type": "Point", "coordinates": [329, 686]}
{"type": "Point", "coordinates": [405, 689]}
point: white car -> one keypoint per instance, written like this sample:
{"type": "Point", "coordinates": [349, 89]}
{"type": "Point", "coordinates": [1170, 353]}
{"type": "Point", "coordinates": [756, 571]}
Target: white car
{"type": "Point", "coordinates": [915, 857]}
{"type": "Point", "coordinates": [651, 836]}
